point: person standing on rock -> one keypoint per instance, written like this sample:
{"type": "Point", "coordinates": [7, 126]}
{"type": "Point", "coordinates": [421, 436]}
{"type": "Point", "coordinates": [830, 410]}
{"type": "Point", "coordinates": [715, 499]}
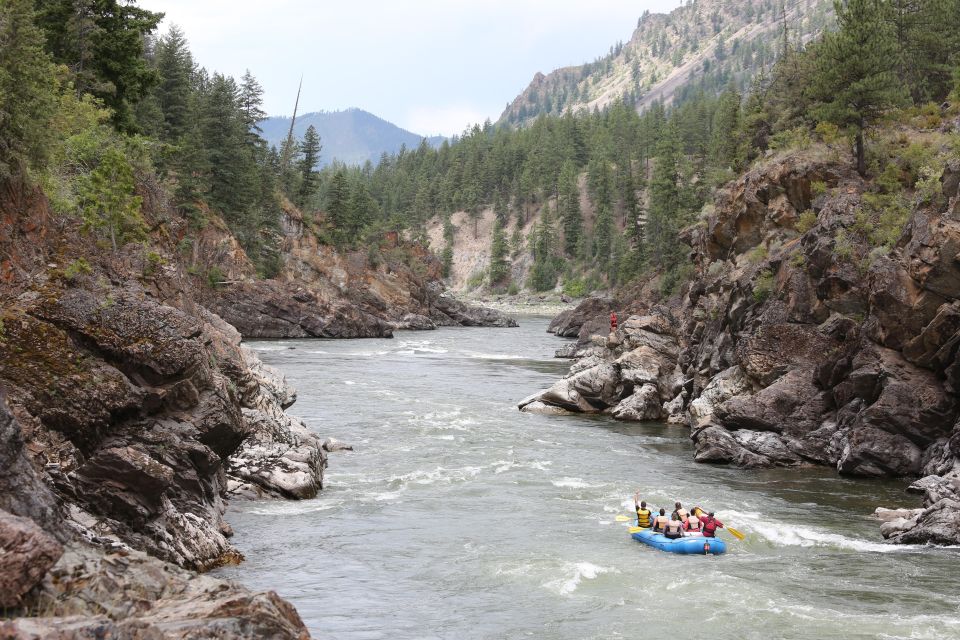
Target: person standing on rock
{"type": "Point", "coordinates": [613, 322]}
{"type": "Point", "coordinates": [644, 515]}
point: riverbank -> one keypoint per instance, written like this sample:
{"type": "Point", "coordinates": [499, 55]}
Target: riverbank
{"type": "Point", "coordinates": [530, 304]}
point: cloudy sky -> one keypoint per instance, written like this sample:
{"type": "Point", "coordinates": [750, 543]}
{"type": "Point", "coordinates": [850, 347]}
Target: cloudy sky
{"type": "Point", "coordinates": [430, 66]}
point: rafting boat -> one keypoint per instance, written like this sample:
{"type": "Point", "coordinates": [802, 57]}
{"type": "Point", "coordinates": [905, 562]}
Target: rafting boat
{"type": "Point", "coordinates": [689, 544]}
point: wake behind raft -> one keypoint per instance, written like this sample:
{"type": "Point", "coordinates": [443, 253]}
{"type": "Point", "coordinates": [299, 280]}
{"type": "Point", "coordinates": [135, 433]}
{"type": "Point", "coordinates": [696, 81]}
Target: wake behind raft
{"type": "Point", "coordinates": [689, 544]}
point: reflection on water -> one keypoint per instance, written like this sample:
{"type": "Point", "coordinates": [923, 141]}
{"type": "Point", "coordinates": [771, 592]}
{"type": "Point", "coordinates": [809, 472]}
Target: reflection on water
{"type": "Point", "coordinates": [459, 517]}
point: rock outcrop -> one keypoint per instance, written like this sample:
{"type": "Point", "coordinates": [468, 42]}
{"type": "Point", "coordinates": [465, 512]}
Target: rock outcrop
{"type": "Point", "coordinates": [798, 346]}
{"type": "Point", "coordinates": [321, 292]}
{"type": "Point", "coordinates": [127, 411]}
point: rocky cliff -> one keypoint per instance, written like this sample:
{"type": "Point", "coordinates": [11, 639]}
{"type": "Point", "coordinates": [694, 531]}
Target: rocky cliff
{"type": "Point", "coordinates": [325, 293]}
{"type": "Point", "coordinates": [128, 414]}
{"type": "Point", "coordinates": [820, 327]}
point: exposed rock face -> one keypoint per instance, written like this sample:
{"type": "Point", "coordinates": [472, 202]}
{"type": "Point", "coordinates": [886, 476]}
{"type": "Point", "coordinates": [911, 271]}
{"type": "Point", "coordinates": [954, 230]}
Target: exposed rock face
{"type": "Point", "coordinates": [630, 374]}
{"type": "Point", "coordinates": [786, 350]}
{"type": "Point", "coordinates": [26, 554]}
{"type": "Point", "coordinates": [324, 293]}
{"type": "Point", "coordinates": [126, 408]}
{"type": "Point", "coordinates": [130, 595]}
{"type": "Point", "coordinates": [280, 456]}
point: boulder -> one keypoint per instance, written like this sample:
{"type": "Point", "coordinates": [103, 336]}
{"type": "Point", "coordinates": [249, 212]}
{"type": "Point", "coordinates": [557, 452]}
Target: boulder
{"type": "Point", "coordinates": [448, 310]}
{"type": "Point", "coordinates": [543, 409]}
{"type": "Point", "coordinates": [96, 595]}
{"type": "Point", "coordinates": [332, 444]}
{"type": "Point", "coordinates": [26, 554]}
{"type": "Point", "coordinates": [567, 324]}
{"type": "Point", "coordinates": [723, 386]}
{"type": "Point", "coordinates": [643, 404]}
{"type": "Point", "coordinates": [869, 451]}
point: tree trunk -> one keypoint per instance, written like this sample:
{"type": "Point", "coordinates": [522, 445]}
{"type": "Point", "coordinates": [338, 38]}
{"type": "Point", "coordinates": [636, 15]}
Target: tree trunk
{"type": "Point", "coordinates": [861, 159]}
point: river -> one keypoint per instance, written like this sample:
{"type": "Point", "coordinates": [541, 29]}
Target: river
{"type": "Point", "coordinates": [459, 517]}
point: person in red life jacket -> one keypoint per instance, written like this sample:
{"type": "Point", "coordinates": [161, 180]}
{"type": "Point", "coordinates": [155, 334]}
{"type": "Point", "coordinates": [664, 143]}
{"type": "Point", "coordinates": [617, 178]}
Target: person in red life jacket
{"type": "Point", "coordinates": [709, 525]}
{"type": "Point", "coordinates": [613, 321]}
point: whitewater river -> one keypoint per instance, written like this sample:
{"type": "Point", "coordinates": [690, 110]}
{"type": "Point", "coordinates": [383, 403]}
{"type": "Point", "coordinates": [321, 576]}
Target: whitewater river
{"type": "Point", "coordinates": [459, 517]}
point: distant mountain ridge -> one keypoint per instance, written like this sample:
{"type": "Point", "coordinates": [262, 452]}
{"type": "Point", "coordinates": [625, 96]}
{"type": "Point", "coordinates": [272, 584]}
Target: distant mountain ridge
{"type": "Point", "coordinates": [705, 44]}
{"type": "Point", "coordinates": [352, 136]}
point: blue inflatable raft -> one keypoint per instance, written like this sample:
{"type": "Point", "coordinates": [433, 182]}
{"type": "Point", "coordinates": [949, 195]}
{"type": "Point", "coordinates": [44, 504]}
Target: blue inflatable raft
{"type": "Point", "coordinates": [695, 544]}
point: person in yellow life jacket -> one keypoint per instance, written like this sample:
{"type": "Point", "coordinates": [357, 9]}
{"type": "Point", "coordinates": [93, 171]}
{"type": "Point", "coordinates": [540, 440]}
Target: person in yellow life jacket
{"type": "Point", "coordinates": [644, 515]}
{"type": "Point", "coordinates": [673, 530]}
{"type": "Point", "coordinates": [660, 522]}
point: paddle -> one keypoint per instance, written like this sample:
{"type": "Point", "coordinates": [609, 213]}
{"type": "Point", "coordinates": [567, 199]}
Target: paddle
{"type": "Point", "coordinates": [624, 518]}
{"type": "Point", "coordinates": [736, 534]}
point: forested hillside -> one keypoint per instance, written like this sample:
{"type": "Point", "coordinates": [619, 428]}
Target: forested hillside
{"type": "Point", "coordinates": [351, 137]}
{"type": "Point", "coordinates": [704, 45]}
{"type": "Point", "coordinates": [598, 199]}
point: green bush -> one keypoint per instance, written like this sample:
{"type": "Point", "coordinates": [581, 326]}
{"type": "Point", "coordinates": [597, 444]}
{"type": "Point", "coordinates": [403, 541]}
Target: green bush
{"type": "Point", "coordinates": [215, 276]}
{"type": "Point", "coordinates": [807, 220]}
{"type": "Point", "coordinates": [842, 246]}
{"type": "Point", "coordinates": [513, 289]}
{"type": "Point", "coordinates": [818, 188]}
{"type": "Point", "coordinates": [674, 278]}
{"type": "Point", "coordinates": [828, 132]}
{"type": "Point", "coordinates": [758, 254]}
{"type": "Point", "coordinates": [797, 260]}
{"type": "Point", "coordinates": [575, 288]}
{"type": "Point", "coordinates": [763, 286]}
{"type": "Point", "coordinates": [78, 267]}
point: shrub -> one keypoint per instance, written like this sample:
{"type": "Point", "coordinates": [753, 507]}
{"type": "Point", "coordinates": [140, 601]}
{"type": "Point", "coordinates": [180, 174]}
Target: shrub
{"type": "Point", "coordinates": [513, 289]}
{"type": "Point", "coordinates": [763, 286]}
{"type": "Point", "coordinates": [215, 276]}
{"type": "Point", "coordinates": [807, 221]}
{"type": "Point", "coordinates": [674, 278]}
{"type": "Point", "coordinates": [818, 188]}
{"type": "Point", "coordinates": [796, 138]}
{"type": "Point", "coordinates": [575, 288]}
{"type": "Point", "coordinates": [76, 268]}
{"type": "Point", "coordinates": [797, 260]}
{"type": "Point", "coordinates": [842, 246]}
{"type": "Point", "coordinates": [828, 132]}
{"type": "Point", "coordinates": [758, 254]}
{"type": "Point", "coordinates": [151, 263]}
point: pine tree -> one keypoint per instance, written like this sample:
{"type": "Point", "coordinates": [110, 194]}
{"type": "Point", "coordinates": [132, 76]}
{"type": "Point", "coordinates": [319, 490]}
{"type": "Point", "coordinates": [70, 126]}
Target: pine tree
{"type": "Point", "coordinates": [499, 267]}
{"type": "Point", "coordinates": [251, 103]}
{"type": "Point", "coordinates": [855, 80]}
{"type": "Point", "coordinates": [310, 156]}
{"type": "Point", "coordinates": [338, 207]}
{"type": "Point", "coordinates": [175, 65]}
{"type": "Point", "coordinates": [108, 202]}
{"type": "Point", "coordinates": [27, 89]}
{"type": "Point", "coordinates": [569, 205]}
{"type": "Point", "coordinates": [102, 42]}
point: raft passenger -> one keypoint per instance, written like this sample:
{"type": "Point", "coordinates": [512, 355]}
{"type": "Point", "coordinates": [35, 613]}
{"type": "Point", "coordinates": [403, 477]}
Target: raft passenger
{"type": "Point", "coordinates": [710, 526]}
{"type": "Point", "coordinates": [679, 513]}
{"type": "Point", "coordinates": [644, 515]}
{"type": "Point", "coordinates": [674, 530]}
{"type": "Point", "coordinates": [660, 522]}
{"type": "Point", "coordinates": [692, 524]}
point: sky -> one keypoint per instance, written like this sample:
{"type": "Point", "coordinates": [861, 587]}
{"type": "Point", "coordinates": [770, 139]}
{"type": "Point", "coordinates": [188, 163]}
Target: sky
{"type": "Point", "coordinates": [429, 66]}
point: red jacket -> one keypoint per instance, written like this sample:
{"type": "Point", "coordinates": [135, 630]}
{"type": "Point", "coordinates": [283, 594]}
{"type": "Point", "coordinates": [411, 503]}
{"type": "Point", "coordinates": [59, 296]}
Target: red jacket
{"type": "Point", "coordinates": [613, 321]}
{"type": "Point", "coordinates": [710, 526]}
